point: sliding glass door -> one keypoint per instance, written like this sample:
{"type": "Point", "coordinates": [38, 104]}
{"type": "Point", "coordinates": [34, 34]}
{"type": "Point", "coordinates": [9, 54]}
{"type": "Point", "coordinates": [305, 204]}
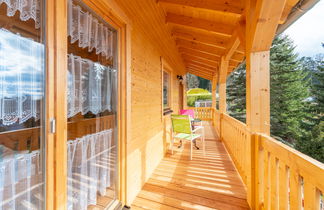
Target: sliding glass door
{"type": "Point", "coordinates": [22, 79]}
{"type": "Point", "coordinates": [92, 109]}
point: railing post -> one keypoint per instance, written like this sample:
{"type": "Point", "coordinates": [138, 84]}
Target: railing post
{"type": "Point", "coordinates": [220, 126]}
{"type": "Point", "coordinates": [214, 86]}
{"type": "Point", "coordinates": [253, 191]}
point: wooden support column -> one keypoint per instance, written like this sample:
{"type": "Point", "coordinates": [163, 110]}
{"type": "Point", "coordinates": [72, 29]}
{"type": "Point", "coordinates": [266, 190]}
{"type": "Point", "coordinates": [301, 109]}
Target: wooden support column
{"type": "Point", "coordinates": [184, 82]}
{"type": "Point", "coordinates": [214, 87]}
{"type": "Point", "coordinates": [258, 92]}
{"type": "Point", "coordinates": [259, 36]}
{"type": "Point", "coordinates": [262, 19]}
{"type": "Point", "coordinates": [222, 85]}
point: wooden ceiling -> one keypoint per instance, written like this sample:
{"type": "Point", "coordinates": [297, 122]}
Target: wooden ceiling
{"type": "Point", "coordinates": [206, 30]}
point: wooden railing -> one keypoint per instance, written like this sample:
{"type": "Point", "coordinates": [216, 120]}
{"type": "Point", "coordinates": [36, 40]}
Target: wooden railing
{"type": "Point", "coordinates": [276, 176]}
{"type": "Point", "coordinates": [203, 113]}
{"type": "Point", "coordinates": [23, 139]}
{"type": "Point", "coordinates": [217, 120]}
{"type": "Point", "coordinates": [237, 140]}
{"type": "Point", "coordinates": [82, 127]}
{"type": "Point", "coordinates": [283, 177]}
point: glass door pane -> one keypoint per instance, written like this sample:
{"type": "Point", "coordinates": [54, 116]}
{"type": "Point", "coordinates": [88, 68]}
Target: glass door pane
{"type": "Point", "coordinates": [92, 109]}
{"type": "Point", "coordinates": [22, 79]}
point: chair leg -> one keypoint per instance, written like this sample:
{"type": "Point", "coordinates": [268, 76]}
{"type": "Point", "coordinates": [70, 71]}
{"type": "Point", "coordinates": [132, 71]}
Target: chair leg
{"type": "Point", "coordinates": [172, 141]}
{"type": "Point", "coordinates": [190, 150]}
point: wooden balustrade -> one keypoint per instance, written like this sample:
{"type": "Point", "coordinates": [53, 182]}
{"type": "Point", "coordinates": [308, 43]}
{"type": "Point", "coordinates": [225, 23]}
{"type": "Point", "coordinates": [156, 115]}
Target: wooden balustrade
{"type": "Point", "coordinates": [217, 120]}
{"type": "Point", "coordinates": [283, 177]}
{"type": "Point", "coordinates": [276, 176]}
{"type": "Point", "coordinates": [23, 139]}
{"type": "Point", "coordinates": [82, 127]}
{"type": "Point", "coordinates": [203, 113]}
{"type": "Point", "coordinates": [237, 140]}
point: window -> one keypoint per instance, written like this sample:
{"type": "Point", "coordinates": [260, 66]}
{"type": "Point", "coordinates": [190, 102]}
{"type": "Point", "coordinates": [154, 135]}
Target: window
{"type": "Point", "coordinates": [166, 93]}
{"type": "Point", "coordinates": [22, 97]}
{"type": "Point", "coordinates": [91, 108]}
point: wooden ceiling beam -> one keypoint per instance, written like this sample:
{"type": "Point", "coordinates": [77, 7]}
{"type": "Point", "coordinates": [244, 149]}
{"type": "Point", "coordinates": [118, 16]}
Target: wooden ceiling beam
{"type": "Point", "coordinates": [211, 5]}
{"type": "Point", "coordinates": [240, 29]}
{"type": "Point", "coordinates": [286, 11]}
{"type": "Point", "coordinates": [199, 73]}
{"type": "Point", "coordinates": [207, 25]}
{"type": "Point", "coordinates": [204, 65]}
{"type": "Point", "coordinates": [198, 66]}
{"type": "Point", "coordinates": [232, 46]}
{"type": "Point", "coordinates": [200, 60]}
{"type": "Point", "coordinates": [200, 47]}
{"type": "Point", "coordinates": [233, 63]}
{"type": "Point", "coordinates": [201, 70]}
{"type": "Point", "coordinates": [202, 76]}
{"type": "Point", "coordinates": [208, 39]}
{"type": "Point", "coordinates": [197, 53]}
{"type": "Point", "coordinates": [238, 57]}
{"type": "Point", "coordinates": [262, 17]}
{"type": "Point", "coordinates": [198, 56]}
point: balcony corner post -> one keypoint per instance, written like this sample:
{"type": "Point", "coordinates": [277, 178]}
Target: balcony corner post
{"type": "Point", "coordinates": [258, 91]}
{"type": "Point", "coordinates": [222, 84]}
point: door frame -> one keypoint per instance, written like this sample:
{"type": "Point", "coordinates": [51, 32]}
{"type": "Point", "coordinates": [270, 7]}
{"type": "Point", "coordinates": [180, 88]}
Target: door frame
{"type": "Point", "coordinates": [56, 105]}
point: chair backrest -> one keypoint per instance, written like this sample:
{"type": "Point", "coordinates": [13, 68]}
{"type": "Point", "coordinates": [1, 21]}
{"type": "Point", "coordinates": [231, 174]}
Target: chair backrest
{"type": "Point", "coordinates": [189, 112]}
{"type": "Point", "coordinates": [181, 124]}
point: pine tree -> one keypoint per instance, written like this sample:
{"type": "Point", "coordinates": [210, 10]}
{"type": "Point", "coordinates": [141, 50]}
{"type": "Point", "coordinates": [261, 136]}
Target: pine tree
{"type": "Point", "coordinates": [318, 90]}
{"type": "Point", "coordinates": [297, 98]}
{"type": "Point", "coordinates": [192, 81]}
{"type": "Point", "coordinates": [312, 143]}
{"type": "Point", "coordinates": [236, 91]}
{"type": "Point", "coordinates": [204, 84]}
{"type": "Point", "coordinates": [289, 90]}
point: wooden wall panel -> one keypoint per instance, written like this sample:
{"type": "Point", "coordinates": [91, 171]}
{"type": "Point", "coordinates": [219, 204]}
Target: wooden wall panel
{"type": "Point", "coordinates": [150, 133]}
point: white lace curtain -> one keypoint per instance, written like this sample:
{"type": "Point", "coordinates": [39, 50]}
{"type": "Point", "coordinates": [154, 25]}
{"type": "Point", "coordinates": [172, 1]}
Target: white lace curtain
{"type": "Point", "coordinates": [89, 86]}
{"type": "Point", "coordinates": [21, 180]}
{"type": "Point", "coordinates": [21, 78]}
{"type": "Point", "coordinates": [90, 164]}
{"type": "Point", "coordinates": [89, 31]}
{"type": "Point", "coordinates": [28, 9]}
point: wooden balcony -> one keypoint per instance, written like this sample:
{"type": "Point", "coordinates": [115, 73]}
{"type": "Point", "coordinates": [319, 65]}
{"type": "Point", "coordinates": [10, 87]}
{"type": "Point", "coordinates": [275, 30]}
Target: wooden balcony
{"type": "Point", "coordinates": [240, 171]}
{"type": "Point", "coordinates": [209, 182]}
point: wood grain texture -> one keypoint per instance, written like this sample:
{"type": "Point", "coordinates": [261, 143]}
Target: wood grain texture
{"type": "Point", "coordinates": [232, 7]}
{"type": "Point", "coordinates": [150, 39]}
{"type": "Point", "coordinates": [210, 182]}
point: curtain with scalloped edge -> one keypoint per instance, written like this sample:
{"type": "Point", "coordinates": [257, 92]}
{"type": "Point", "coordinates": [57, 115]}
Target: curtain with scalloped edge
{"type": "Point", "coordinates": [89, 31]}
{"type": "Point", "coordinates": [28, 9]}
{"type": "Point", "coordinates": [89, 169]}
{"type": "Point", "coordinates": [21, 180]}
{"type": "Point", "coordinates": [89, 86]}
{"type": "Point", "coordinates": [21, 78]}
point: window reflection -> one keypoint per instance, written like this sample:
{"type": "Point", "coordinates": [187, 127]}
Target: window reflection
{"type": "Point", "coordinates": [91, 109]}
{"type": "Point", "coordinates": [21, 99]}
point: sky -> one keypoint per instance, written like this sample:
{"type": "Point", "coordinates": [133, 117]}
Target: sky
{"type": "Point", "coordinates": [20, 66]}
{"type": "Point", "coordinates": [308, 31]}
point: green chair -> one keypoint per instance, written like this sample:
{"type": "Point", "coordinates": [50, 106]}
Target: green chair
{"type": "Point", "coordinates": [182, 130]}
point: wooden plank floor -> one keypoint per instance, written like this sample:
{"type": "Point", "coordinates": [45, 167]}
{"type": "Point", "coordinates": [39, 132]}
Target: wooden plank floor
{"type": "Point", "coordinates": [209, 182]}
